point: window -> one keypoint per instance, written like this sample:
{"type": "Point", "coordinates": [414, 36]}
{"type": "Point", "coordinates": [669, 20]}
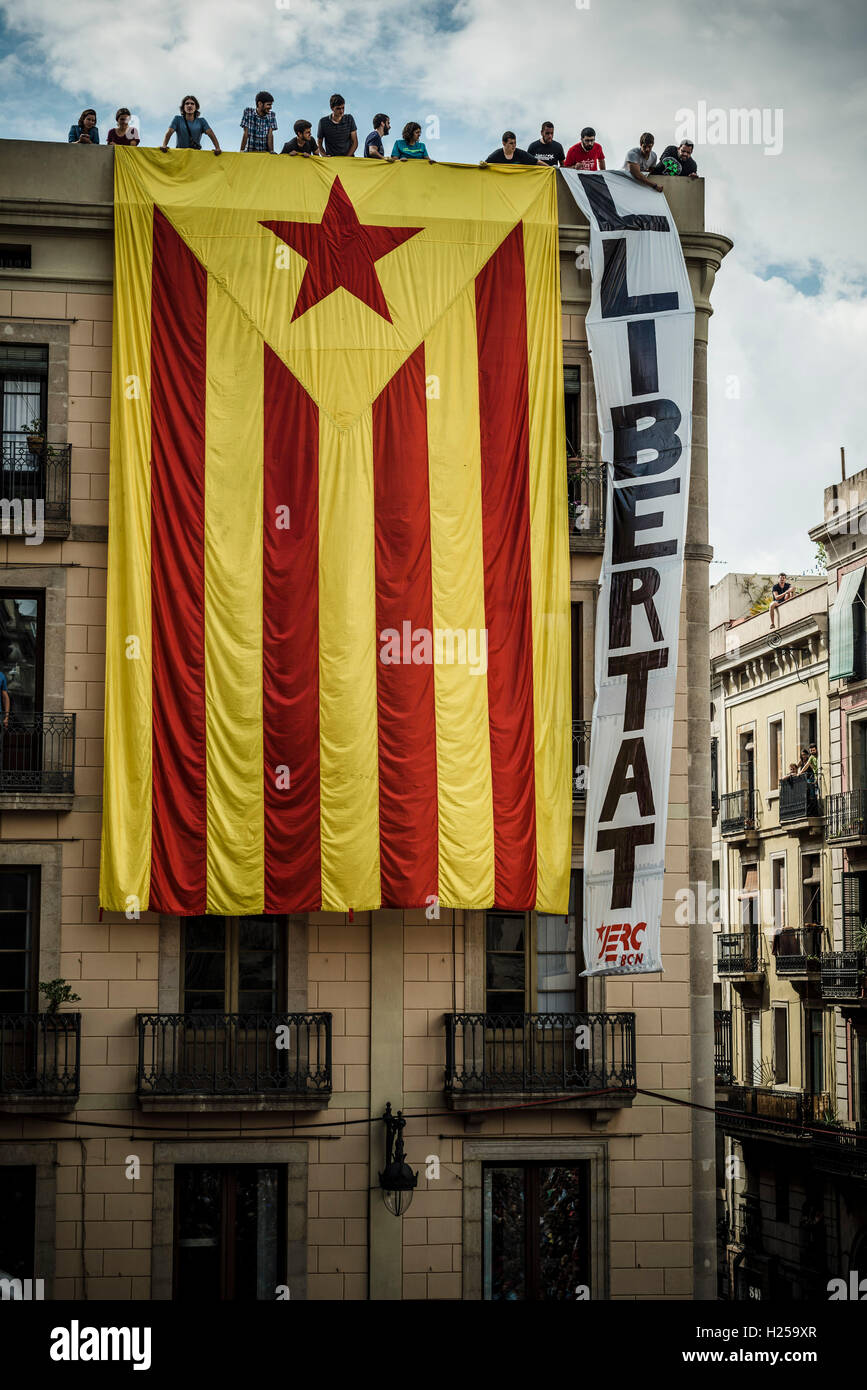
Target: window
{"type": "Point", "coordinates": [23, 395]}
{"type": "Point", "coordinates": [19, 931]}
{"type": "Point", "coordinates": [775, 752]}
{"type": "Point", "coordinates": [14, 256]}
{"type": "Point", "coordinates": [811, 897]}
{"type": "Point", "coordinates": [22, 627]}
{"type": "Point", "coordinates": [858, 770]}
{"type": "Point", "coordinates": [572, 389]}
{"type": "Point", "coordinates": [815, 1051]}
{"type": "Point", "coordinates": [753, 1047]}
{"type": "Point", "coordinates": [18, 1227]}
{"type": "Point", "coordinates": [778, 886]}
{"type": "Point", "coordinates": [234, 964]}
{"type": "Point", "coordinates": [534, 969]}
{"type": "Point", "coordinates": [536, 1231]}
{"type": "Point", "coordinates": [808, 728]}
{"type": "Point", "coordinates": [781, 1045]}
{"type": "Point", "coordinates": [781, 1196]}
{"type": "Point", "coordinates": [228, 1224]}
{"type": "Point", "coordinates": [580, 750]}
{"type": "Point", "coordinates": [749, 896]}
{"type": "Point", "coordinates": [746, 764]}
{"type": "Point", "coordinates": [854, 908]}
{"type": "Point", "coordinates": [858, 1055]}
{"type": "Point", "coordinates": [714, 775]}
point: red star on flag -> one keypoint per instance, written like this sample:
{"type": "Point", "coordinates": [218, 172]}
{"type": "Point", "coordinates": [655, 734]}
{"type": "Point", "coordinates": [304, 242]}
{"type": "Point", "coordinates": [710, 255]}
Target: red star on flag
{"type": "Point", "coordinates": [340, 252]}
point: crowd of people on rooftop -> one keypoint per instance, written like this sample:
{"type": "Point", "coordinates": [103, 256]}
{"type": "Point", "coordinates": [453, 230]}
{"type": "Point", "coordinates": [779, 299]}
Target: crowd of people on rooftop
{"type": "Point", "coordinates": [337, 137]}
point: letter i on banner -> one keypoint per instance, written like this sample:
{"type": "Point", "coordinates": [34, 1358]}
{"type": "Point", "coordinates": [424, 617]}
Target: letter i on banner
{"type": "Point", "coordinates": [640, 329]}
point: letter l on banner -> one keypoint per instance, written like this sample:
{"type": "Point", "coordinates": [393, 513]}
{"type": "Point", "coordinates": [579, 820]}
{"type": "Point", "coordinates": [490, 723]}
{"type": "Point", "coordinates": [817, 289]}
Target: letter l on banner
{"type": "Point", "coordinates": [640, 328]}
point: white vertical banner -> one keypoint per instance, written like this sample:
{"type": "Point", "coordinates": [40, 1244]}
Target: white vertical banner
{"type": "Point", "coordinates": [640, 329]}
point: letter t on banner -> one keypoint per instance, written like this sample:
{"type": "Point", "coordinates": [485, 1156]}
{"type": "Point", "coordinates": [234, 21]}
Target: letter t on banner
{"type": "Point", "coordinates": [640, 328]}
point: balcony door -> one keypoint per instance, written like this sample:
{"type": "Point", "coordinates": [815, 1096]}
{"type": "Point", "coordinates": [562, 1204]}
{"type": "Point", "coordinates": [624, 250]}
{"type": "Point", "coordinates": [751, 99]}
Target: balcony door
{"type": "Point", "coordinates": [536, 1232]}
{"type": "Point", "coordinates": [230, 1233]}
{"type": "Point", "coordinates": [753, 1047]}
{"type": "Point", "coordinates": [22, 629]}
{"type": "Point", "coordinates": [18, 1226]}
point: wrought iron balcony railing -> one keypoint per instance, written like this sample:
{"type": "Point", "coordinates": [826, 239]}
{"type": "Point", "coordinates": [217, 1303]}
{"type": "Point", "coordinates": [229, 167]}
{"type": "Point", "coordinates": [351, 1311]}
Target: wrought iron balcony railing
{"type": "Point", "coordinates": [216, 1054]}
{"type": "Point", "coordinates": [737, 811]}
{"type": "Point", "coordinates": [722, 1045]}
{"type": "Point", "coordinates": [799, 799]}
{"type": "Point", "coordinates": [750, 1222]}
{"type": "Point", "coordinates": [517, 1052]}
{"type": "Point", "coordinates": [580, 757]}
{"type": "Point", "coordinates": [39, 1054]}
{"type": "Point", "coordinates": [796, 951]}
{"type": "Point", "coordinates": [587, 487]}
{"type": "Point", "coordinates": [29, 476]}
{"type": "Point", "coordinates": [846, 815]}
{"type": "Point", "coordinates": [842, 974]}
{"type": "Point", "coordinates": [739, 953]}
{"type": "Point", "coordinates": [37, 753]}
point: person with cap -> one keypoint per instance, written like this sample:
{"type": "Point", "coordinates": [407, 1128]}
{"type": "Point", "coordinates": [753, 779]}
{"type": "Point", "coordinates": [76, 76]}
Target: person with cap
{"type": "Point", "coordinates": [587, 154]}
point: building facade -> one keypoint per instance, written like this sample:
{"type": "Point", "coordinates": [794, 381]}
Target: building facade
{"type": "Point", "coordinates": [789, 958]}
{"type": "Point", "coordinates": [150, 1146]}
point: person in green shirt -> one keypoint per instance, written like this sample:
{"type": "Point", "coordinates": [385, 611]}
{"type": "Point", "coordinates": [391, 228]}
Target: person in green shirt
{"type": "Point", "coordinates": [410, 146]}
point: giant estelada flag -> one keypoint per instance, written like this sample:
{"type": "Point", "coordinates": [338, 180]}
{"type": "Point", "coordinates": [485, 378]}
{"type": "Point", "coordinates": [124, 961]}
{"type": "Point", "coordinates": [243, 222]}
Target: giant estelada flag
{"type": "Point", "coordinates": [338, 639]}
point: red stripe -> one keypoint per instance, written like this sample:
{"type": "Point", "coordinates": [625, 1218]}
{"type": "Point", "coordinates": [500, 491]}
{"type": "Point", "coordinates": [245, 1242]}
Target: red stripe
{"type": "Point", "coordinates": [290, 643]}
{"type": "Point", "coordinates": [501, 323]}
{"type": "Point", "coordinates": [408, 833]}
{"type": "Point", "coordinates": [178, 347]}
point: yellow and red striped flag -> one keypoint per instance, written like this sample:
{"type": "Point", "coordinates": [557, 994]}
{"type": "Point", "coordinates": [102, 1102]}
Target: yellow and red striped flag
{"type": "Point", "coordinates": [338, 637]}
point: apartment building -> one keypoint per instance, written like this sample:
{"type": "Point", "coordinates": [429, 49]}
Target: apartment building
{"type": "Point", "coordinates": [791, 1170]}
{"type": "Point", "coordinates": [150, 1147]}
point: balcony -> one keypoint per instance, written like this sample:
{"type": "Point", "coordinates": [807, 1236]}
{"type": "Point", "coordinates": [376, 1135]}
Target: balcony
{"type": "Point", "coordinates": [795, 1111]}
{"type": "Point", "coordinates": [846, 817]}
{"type": "Point", "coordinates": [842, 976]}
{"type": "Point", "coordinates": [737, 816]}
{"type": "Point", "coordinates": [30, 477]}
{"type": "Point", "coordinates": [580, 758]}
{"type": "Point", "coordinates": [37, 762]}
{"type": "Point", "coordinates": [587, 485]}
{"type": "Point", "coordinates": [39, 1062]}
{"type": "Point", "coordinates": [492, 1058]}
{"type": "Point", "coordinates": [216, 1061]}
{"type": "Point", "coordinates": [739, 956]}
{"type": "Point", "coordinates": [750, 1223]}
{"type": "Point", "coordinates": [797, 953]}
{"type": "Point", "coordinates": [800, 804]}
{"type": "Point", "coordinates": [722, 1046]}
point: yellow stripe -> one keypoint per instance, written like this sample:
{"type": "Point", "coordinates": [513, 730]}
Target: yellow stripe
{"type": "Point", "coordinates": [126, 825]}
{"type": "Point", "coordinates": [233, 608]}
{"type": "Point", "coordinates": [464, 799]}
{"type": "Point", "coordinates": [549, 560]}
{"type": "Point", "coordinates": [349, 760]}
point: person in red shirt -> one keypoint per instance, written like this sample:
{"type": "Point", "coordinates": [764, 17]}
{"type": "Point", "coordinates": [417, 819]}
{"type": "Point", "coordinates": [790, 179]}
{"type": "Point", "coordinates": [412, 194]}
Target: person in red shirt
{"type": "Point", "coordinates": [586, 154]}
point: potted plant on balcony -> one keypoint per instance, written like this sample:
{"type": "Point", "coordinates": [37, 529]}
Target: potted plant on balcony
{"type": "Point", "coordinates": [35, 432]}
{"type": "Point", "coordinates": [57, 992]}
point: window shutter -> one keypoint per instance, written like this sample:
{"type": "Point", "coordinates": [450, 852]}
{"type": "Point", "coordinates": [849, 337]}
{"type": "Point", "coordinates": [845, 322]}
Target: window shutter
{"type": "Point", "coordinates": [852, 913]}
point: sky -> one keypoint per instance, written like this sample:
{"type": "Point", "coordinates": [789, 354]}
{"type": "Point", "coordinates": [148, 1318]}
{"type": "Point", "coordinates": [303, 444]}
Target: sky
{"type": "Point", "coordinates": [788, 338]}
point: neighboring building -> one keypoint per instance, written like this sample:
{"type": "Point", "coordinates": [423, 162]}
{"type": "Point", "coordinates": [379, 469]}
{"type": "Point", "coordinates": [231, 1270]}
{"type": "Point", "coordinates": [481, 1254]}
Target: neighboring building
{"type": "Point", "coordinates": [791, 1173]}
{"type": "Point", "coordinates": [398, 1009]}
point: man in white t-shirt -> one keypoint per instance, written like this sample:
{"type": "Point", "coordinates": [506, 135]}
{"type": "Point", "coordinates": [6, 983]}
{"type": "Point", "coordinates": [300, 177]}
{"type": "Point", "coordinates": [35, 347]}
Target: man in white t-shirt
{"type": "Point", "coordinates": [640, 159]}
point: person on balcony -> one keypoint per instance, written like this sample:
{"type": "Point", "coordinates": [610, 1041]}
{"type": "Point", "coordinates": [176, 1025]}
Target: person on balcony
{"type": "Point", "coordinates": [189, 127]}
{"type": "Point", "coordinates": [303, 142]}
{"type": "Point", "coordinates": [410, 146]}
{"type": "Point", "coordinates": [337, 134]}
{"type": "Point", "coordinates": [640, 160]}
{"type": "Point", "coordinates": [793, 775]}
{"type": "Point", "coordinates": [677, 160]}
{"type": "Point", "coordinates": [510, 153]}
{"type": "Point", "coordinates": [780, 593]}
{"type": "Point", "coordinates": [85, 132]}
{"type": "Point", "coordinates": [587, 154]}
{"type": "Point", "coordinates": [123, 133]}
{"type": "Point", "coordinates": [547, 151]}
{"type": "Point", "coordinates": [259, 125]}
{"type": "Point", "coordinates": [373, 146]}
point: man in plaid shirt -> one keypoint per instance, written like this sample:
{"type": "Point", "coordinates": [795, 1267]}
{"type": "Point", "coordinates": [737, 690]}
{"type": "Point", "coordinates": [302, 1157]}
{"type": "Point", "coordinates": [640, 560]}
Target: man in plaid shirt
{"type": "Point", "coordinates": [259, 125]}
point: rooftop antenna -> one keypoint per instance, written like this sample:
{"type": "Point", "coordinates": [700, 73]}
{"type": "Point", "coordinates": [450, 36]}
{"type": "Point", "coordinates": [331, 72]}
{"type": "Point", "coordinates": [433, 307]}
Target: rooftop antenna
{"type": "Point", "coordinates": [843, 462]}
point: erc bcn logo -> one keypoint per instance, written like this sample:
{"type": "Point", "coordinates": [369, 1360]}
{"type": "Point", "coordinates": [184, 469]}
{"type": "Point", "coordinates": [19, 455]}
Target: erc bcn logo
{"type": "Point", "coordinates": [620, 942]}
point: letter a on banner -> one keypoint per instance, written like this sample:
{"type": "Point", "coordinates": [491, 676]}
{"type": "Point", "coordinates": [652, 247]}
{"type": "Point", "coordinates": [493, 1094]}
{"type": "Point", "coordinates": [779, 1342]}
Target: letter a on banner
{"type": "Point", "coordinates": [640, 329]}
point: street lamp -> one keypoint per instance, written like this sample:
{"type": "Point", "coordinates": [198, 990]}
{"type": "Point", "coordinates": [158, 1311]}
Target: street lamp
{"type": "Point", "coordinates": [397, 1180]}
